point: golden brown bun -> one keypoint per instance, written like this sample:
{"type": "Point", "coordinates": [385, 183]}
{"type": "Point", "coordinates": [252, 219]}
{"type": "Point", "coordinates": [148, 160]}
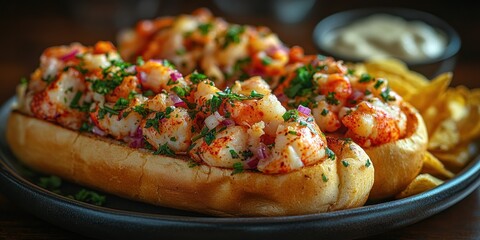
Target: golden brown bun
{"type": "Point", "coordinates": [137, 174]}
{"type": "Point", "coordinates": [399, 162]}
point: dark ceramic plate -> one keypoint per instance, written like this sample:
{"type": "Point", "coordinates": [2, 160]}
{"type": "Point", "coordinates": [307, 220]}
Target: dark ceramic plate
{"type": "Point", "coordinates": [124, 219]}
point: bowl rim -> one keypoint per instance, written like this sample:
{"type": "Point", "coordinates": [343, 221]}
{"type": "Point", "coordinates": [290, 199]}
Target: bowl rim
{"type": "Point", "coordinates": [341, 18]}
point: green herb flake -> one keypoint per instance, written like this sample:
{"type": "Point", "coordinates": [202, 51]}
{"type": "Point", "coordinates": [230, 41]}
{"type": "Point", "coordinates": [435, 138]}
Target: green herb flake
{"type": "Point", "coordinates": [365, 77]}
{"type": "Point", "coordinates": [197, 77]}
{"type": "Point", "coordinates": [345, 163]}
{"type": "Point", "coordinates": [291, 114]}
{"type": "Point", "coordinates": [368, 163]}
{"type": "Point", "coordinates": [255, 94]}
{"type": "Point", "coordinates": [386, 95]}
{"type": "Point", "coordinates": [233, 153]}
{"type": "Point", "coordinates": [237, 168]}
{"type": "Point", "coordinates": [330, 98]}
{"type": "Point", "coordinates": [330, 153]}
{"type": "Point", "coordinates": [267, 61]}
{"type": "Point", "coordinates": [164, 150]}
{"type": "Point", "coordinates": [233, 35]}
{"type": "Point", "coordinates": [324, 112]}
{"type": "Point", "coordinates": [378, 83]}
{"type": "Point", "coordinates": [23, 81]}
{"type": "Point", "coordinates": [50, 183]}
{"type": "Point", "coordinates": [121, 104]}
{"type": "Point", "coordinates": [90, 197]}
{"type": "Point", "coordinates": [324, 178]}
{"type": "Point", "coordinates": [204, 28]}
{"type": "Point", "coordinates": [140, 61]}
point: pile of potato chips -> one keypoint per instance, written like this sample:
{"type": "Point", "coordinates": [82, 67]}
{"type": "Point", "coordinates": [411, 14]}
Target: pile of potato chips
{"type": "Point", "coordinates": [451, 114]}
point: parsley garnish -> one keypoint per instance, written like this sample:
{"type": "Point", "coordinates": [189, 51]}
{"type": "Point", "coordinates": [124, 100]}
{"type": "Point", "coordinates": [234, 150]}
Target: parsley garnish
{"type": "Point", "coordinates": [291, 114]}
{"type": "Point", "coordinates": [234, 154]}
{"type": "Point", "coordinates": [121, 104]}
{"type": "Point", "coordinates": [385, 94]}
{"type": "Point", "coordinates": [378, 83]}
{"type": "Point", "coordinates": [237, 168]}
{"type": "Point", "coordinates": [86, 127]}
{"type": "Point", "coordinates": [233, 35]}
{"type": "Point", "coordinates": [330, 153]}
{"type": "Point", "coordinates": [164, 150]}
{"type": "Point", "coordinates": [330, 98]}
{"type": "Point", "coordinates": [181, 92]}
{"type": "Point", "coordinates": [324, 112]}
{"type": "Point", "coordinates": [197, 77]}
{"type": "Point", "coordinates": [368, 163]}
{"type": "Point", "coordinates": [140, 61]}
{"type": "Point", "coordinates": [324, 178]}
{"type": "Point", "coordinates": [365, 77]}
{"type": "Point", "coordinates": [205, 28]}
{"type": "Point", "coordinates": [266, 60]}
{"type": "Point", "coordinates": [90, 197]}
{"type": "Point", "coordinates": [345, 163]}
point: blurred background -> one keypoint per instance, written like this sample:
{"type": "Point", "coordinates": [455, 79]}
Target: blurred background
{"type": "Point", "coordinates": [30, 27]}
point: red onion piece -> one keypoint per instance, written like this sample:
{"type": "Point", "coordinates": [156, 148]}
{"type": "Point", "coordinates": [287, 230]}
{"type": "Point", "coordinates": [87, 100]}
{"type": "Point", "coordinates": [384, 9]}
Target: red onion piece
{"type": "Point", "coordinates": [142, 76]}
{"type": "Point", "coordinates": [96, 130]}
{"type": "Point", "coordinates": [69, 56]}
{"type": "Point", "coordinates": [304, 110]}
{"type": "Point", "coordinates": [175, 76]}
{"type": "Point", "coordinates": [228, 122]}
{"type": "Point", "coordinates": [251, 163]}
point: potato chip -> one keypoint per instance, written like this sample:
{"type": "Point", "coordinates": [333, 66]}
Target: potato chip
{"type": "Point", "coordinates": [433, 166]}
{"type": "Point", "coordinates": [425, 95]}
{"type": "Point", "coordinates": [456, 158]}
{"type": "Point", "coordinates": [423, 182]}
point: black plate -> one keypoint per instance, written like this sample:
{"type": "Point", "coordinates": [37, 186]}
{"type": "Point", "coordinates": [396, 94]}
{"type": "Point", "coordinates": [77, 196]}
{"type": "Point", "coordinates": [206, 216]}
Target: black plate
{"type": "Point", "coordinates": [124, 219]}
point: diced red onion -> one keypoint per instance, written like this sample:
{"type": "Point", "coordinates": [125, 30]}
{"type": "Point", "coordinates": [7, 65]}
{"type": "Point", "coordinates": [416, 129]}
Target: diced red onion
{"type": "Point", "coordinates": [96, 130]}
{"type": "Point", "coordinates": [251, 163]}
{"type": "Point", "coordinates": [262, 152]}
{"type": "Point", "coordinates": [177, 101]}
{"type": "Point", "coordinates": [69, 56]}
{"type": "Point", "coordinates": [228, 122]}
{"type": "Point", "coordinates": [142, 76]}
{"type": "Point", "coordinates": [136, 142]}
{"type": "Point", "coordinates": [304, 110]}
{"type": "Point", "coordinates": [282, 97]}
{"type": "Point", "coordinates": [175, 76]}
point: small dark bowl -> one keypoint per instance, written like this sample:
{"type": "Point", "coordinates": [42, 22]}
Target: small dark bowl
{"type": "Point", "coordinates": [429, 68]}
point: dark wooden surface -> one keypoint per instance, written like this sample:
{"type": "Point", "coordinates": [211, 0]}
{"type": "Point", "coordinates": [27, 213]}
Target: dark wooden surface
{"type": "Point", "coordinates": [30, 27]}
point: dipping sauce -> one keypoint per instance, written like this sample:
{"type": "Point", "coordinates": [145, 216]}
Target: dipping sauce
{"type": "Point", "coordinates": [383, 35]}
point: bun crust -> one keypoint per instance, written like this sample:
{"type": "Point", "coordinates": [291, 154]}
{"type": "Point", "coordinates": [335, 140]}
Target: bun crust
{"type": "Point", "coordinates": [398, 163]}
{"type": "Point", "coordinates": [137, 174]}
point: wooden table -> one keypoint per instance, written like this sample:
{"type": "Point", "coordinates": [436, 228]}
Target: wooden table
{"type": "Point", "coordinates": [26, 31]}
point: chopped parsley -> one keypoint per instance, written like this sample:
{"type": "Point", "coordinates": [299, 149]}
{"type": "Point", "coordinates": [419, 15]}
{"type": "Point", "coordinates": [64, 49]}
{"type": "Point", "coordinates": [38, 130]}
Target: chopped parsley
{"type": "Point", "coordinates": [368, 163]}
{"type": "Point", "coordinates": [254, 94]}
{"type": "Point", "coordinates": [86, 127]}
{"type": "Point", "coordinates": [233, 153]}
{"type": "Point", "coordinates": [164, 150]}
{"type": "Point", "coordinates": [121, 104]}
{"type": "Point", "coordinates": [237, 168]}
{"type": "Point", "coordinates": [181, 92]}
{"type": "Point", "coordinates": [385, 94]}
{"type": "Point", "coordinates": [23, 81]}
{"type": "Point", "coordinates": [50, 183]}
{"type": "Point", "coordinates": [365, 77]}
{"type": "Point", "coordinates": [324, 112]}
{"type": "Point", "coordinates": [330, 153]}
{"type": "Point", "coordinates": [140, 61]}
{"type": "Point", "coordinates": [324, 178]}
{"type": "Point", "coordinates": [291, 114]}
{"type": "Point", "coordinates": [90, 197]}
{"type": "Point", "coordinates": [266, 60]}
{"type": "Point", "coordinates": [233, 35]}
{"type": "Point", "coordinates": [197, 77]}
{"type": "Point", "coordinates": [204, 28]}
{"type": "Point", "coordinates": [345, 163]}
{"type": "Point", "coordinates": [378, 83]}
{"type": "Point", "coordinates": [331, 99]}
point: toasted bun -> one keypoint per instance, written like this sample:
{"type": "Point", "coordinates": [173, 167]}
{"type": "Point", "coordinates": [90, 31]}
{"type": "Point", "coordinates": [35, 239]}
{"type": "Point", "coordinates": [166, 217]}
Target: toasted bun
{"type": "Point", "coordinates": [399, 162]}
{"type": "Point", "coordinates": [139, 175]}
